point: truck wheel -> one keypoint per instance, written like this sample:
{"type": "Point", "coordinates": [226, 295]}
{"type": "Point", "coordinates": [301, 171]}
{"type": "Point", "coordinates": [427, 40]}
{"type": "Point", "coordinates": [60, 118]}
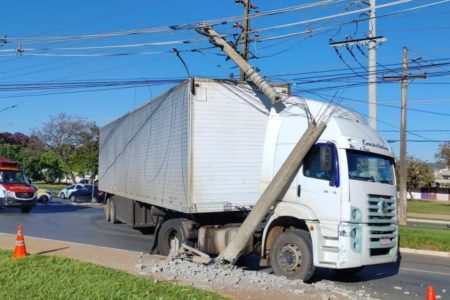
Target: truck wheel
{"type": "Point", "coordinates": [73, 198]}
{"type": "Point", "coordinates": [106, 209]}
{"type": "Point", "coordinates": [62, 196]}
{"type": "Point", "coordinates": [171, 229]}
{"type": "Point", "coordinates": [291, 255]}
{"type": "Point", "coordinates": [112, 212]}
{"type": "Point", "coordinates": [25, 210]}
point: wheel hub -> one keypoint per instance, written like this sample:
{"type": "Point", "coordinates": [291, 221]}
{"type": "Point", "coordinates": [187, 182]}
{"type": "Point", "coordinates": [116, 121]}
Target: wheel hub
{"type": "Point", "coordinates": [290, 257]}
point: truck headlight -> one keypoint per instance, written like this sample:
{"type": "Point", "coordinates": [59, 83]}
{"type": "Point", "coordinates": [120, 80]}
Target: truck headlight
{"type": "Point", "coordinates": [356, 215]}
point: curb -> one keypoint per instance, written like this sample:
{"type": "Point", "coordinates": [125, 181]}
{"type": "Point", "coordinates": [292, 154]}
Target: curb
{"type": "Point", "coordinates": [13, 237]}
{"type": "Point", "coordinates": [428, 221]}
{"type": "Point", "coordinates": [425, 252]}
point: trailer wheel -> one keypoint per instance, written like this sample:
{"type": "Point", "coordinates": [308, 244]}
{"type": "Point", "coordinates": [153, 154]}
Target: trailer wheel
{"type": "Point", "coordinates": [171, 229]}
{"type": "Point", "coordinates": [106, 209]}
{"type": "Point", "coordinates": [291, 255]}
{"type": "Point", "coordinates": [112, 212]}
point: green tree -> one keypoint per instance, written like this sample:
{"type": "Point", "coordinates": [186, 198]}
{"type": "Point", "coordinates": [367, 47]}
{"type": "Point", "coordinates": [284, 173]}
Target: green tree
{"type": "Point", "coordinates": [74, 141]}
{"type": "Point", "coordinates": [443, 154]}
{"type": "Point", "coordinates": [420, 174]}
{"type": "Point", "coordinates": [86, 155]}
{"type": "Point", "coordinates": [38, 163]}
{"type": "Point", "coordinates": [12, 152]}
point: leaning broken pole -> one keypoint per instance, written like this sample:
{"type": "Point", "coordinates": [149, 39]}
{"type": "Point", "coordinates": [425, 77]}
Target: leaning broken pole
{"type": "Point", "coordinates": [279, 185]}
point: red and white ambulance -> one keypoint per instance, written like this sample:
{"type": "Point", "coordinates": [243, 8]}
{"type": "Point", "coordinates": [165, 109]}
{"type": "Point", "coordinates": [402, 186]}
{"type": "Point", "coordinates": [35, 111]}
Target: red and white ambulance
{"type": "Point", "coordinates": [15, 188]}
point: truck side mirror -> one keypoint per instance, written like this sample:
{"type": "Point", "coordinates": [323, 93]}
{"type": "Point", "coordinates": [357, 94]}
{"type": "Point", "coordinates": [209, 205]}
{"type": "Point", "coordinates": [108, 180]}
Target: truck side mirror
{"type": "Point", "coordinates": [326, 159]}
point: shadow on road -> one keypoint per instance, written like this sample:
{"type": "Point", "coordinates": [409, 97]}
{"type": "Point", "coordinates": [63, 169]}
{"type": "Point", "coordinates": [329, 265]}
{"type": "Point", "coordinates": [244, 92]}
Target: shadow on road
{"type": "Point", "coordinates": [368, 273]}
{"type": "Point", "coordinates": [46, 209]}
{"type": "Point", "coordinates": [53, 250]}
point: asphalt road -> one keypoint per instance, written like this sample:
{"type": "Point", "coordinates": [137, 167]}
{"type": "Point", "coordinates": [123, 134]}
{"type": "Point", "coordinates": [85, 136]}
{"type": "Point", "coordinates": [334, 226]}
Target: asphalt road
{"type": "Point", "coordinates": [66, 221]}
{"type": "Point", "coordinates": [62, 220]}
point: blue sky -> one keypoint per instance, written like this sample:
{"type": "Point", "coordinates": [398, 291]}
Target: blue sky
{"type": "Point", "coordinates": [31, 25]}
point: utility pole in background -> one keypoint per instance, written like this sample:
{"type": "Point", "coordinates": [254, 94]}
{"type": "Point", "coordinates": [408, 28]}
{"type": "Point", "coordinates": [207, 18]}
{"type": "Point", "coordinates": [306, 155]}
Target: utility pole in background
{"type": "Point", "coordinates": [371, 42]}
{"type": "Point", "coordinates": [245, 30]}
{"type": "Point", "coordinates": [403, 172]}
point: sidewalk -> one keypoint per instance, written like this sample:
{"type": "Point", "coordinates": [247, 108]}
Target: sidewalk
{"type": "Point", "coordinates": [123, 260]}
{"type": "Point", "coordinates": [431, 217]}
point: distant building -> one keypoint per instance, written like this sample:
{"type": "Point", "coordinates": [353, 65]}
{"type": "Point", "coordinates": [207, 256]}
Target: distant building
{"type": "Point", "coordinates": [442, 177]}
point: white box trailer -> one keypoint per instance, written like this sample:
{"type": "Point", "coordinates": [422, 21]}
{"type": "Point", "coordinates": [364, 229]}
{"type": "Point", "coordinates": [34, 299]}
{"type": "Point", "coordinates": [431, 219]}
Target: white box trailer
{"type": "Point", "coordinates": [192, 153]}
{"type": "Point", "coordinates": [190, 164]}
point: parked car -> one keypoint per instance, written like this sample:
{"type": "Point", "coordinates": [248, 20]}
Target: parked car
{"type": "Point", "coordinates": [84, 193]}
{"type": "Point", "coordinates": [43, 196]}
{"type": "Point", "coordinates": [66, 192]}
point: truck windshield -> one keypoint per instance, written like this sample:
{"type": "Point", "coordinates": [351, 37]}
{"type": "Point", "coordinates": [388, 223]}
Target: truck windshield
{"type": "Point", "coordinates": [370, 167]}
{"type": "Point", "coordinates": [13, 177]}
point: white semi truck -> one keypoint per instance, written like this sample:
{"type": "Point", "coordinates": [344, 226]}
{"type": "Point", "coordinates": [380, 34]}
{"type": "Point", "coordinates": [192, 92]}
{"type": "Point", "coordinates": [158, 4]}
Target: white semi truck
{"type": "Point", "coordinates": [191, 163]}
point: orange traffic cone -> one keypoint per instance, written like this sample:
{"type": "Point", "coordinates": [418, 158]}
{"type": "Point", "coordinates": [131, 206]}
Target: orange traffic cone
{"type": "Point", "coordinates": [20, 250]}
{"type": "Point", "coordinates": [430, 293]}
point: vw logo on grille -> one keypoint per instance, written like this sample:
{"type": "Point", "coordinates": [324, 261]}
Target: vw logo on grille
{"type": "Point", "coordinates": [383, 207]}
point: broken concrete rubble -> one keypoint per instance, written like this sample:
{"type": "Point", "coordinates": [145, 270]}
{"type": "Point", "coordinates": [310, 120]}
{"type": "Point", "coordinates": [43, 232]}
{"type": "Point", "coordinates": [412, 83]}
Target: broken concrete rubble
{"type": "Point", "coordinates": [181, 268]}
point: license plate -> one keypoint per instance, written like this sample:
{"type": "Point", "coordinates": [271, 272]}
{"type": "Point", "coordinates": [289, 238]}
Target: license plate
{"type": "Point", "coordinates": [385, 240]}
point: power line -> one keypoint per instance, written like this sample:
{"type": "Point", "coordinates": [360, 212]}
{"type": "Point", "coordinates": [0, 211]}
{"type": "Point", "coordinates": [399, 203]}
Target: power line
{"type": "Point", "coordinates": [187, 26]}
{"type": "Point", "coordinates": [419, 130]}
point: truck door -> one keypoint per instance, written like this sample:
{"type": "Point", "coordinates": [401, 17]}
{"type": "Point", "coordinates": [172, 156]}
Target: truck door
{"type": "Point", "coordinates": [318, 182]}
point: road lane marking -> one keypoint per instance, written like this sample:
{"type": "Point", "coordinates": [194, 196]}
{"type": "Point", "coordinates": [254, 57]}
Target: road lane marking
{"type": "Point", "coordinates": [423, 271]}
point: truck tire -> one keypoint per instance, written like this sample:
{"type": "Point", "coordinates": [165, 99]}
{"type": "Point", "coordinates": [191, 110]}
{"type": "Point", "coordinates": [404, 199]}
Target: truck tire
{"type": "Point", "coordinates": [107, 209]}
{"type": "Point", "coordinates": [73, 198]}
{"type": "Point", "coordinates": [62, 196]}
{"type": "Point", "coordinates": [171, 229]}
{"type": "Point", "coordinates": [25, 210]}
{"type": "Point", "coordinates": [112, 212]}
{"type": "Point", "coordinates": [291, 255]}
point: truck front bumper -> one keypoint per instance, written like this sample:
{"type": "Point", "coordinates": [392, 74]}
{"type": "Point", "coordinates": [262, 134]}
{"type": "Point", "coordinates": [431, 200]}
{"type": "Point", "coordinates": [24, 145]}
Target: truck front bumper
{"type": "Point", "coordinates": [355, 245]}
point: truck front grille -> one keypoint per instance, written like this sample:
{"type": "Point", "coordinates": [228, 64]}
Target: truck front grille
{"type": "Point", "coordinates": [382, 224]}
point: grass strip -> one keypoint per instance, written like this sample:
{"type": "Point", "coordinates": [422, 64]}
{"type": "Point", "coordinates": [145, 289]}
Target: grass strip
{"type": "Point", "coordinates": [51, 277]}
{"type": "Point", "coordinates": [428, 207]}
{"type": "Point", "coordinates": [436, 239]}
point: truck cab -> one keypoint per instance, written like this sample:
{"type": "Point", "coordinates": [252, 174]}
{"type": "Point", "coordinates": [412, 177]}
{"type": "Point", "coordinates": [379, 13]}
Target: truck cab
{"type": "Point", "coordinates": [340, 210]}
{"type": "Point", "coordinates": [15, 188]}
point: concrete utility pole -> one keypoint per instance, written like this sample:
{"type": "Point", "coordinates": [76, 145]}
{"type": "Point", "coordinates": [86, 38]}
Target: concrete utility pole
{"type": "Point", "coordinates": [372, 66]}
{"type": "Point", "coordinates": [403, 172]}
{"type": "Point", "coordinates": [279, 185]}
{"type": "Point", "coordinates": [246, 28]}
{"type": "Point", "coordinates": [245, 67]}
{"type": "Point", "coordinates": [371, 41]}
